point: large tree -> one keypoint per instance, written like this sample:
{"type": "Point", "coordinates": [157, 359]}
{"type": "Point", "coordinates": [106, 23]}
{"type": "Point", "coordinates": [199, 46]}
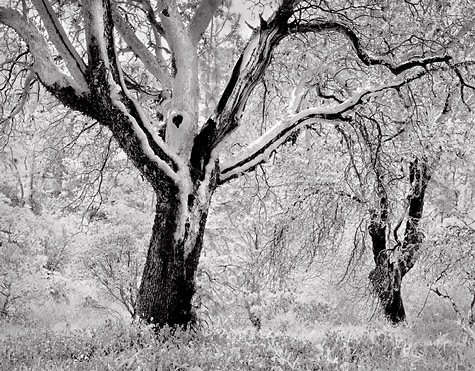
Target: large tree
{"type": "Point", "coordinates": [79, 51]}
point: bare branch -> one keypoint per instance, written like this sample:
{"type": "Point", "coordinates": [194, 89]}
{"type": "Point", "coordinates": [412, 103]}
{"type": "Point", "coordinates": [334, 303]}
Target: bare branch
{"type": "Point", "coordinates": [202, 18]}
{"type": "Point", "coordinates": [256, 57]}
{"type": "Point", "coordinates": [150, 61]}
{"type": "Point", "coordinates": [157, 27]}
{"type": "Point", "coordinates": [450, 299]}
{"type": "Point", "coordinates": [246, 74]}
{"type": "Point", "coordinates": [362, 54]}
{"type": "Point", "coordinates": [99, 43]}
{"type": "Point", "coordinates": [24, 95]}
{"type": "Point", "coordinates": [182, 123]}
{"type": "Point", "coordinates": [58, 37]}
{"type": "Point", "coordinates": [258, 151]}
{"type": "Point", "coordinates": [44, 66]}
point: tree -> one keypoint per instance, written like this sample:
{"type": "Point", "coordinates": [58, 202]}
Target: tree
{"type": "Point", "coordinates": [150, 99]}
{"type": "Point", "coordinates": [392, 264]}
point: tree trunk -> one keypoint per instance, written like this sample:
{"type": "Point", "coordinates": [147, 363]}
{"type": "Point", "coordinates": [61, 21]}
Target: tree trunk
{"type": "Point", "coordinates": [168, 280]}
{"type": "Point", "coordinates": [393, 264]}
{"type": "Point", "coordinates": [386, 280]}
{"type": "Point", "coordinates": [386, 276]}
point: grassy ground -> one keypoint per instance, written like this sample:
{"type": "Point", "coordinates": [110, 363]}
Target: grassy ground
{"type": "Point", "coordinates": [120, 346]}
{"type": "Point", "coordinates": [80, 334]}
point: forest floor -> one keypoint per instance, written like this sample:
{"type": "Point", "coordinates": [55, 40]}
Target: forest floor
{"type": "Point", "coordinates": [115, 344]}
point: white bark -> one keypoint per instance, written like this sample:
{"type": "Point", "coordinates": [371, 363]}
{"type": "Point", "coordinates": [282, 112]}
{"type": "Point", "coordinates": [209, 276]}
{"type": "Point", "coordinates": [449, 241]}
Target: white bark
{"type": "Point", "coordinates": [182, 123]}
{"type": "Point", "coordinates": [150, 61]}
{"type": "Point", "coordinates": [259, 150]}
{"type": "Point", "coordinates": [202, 18]}
{"type": "Point", "coordinates": [44, 66]}
{"type": "Point", "coordinates": [94, 27]}
{"type": "Point", "coordinates": [60, 40]}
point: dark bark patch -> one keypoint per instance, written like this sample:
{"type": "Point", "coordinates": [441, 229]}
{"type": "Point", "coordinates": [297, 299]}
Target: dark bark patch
{"type": "Point", "coordinates": [201, 151]}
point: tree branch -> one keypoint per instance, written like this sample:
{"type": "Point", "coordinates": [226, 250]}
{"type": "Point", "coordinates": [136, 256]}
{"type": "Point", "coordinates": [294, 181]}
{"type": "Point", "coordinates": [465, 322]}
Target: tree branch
{"type": "Point", "coordinates": [58, 37]}
{"type": "Point", "coordinates": [256, 57]}
{"type": "Point", "coordinates": [117, 108]}
{"type": "Point", "coordinates": [150, 61]}
{"type": "Point", "coordinates": [30, 79]}
{"type": "Point", "coordinates": [202, 18]}
{"type": "Point", "coordinates": [49, 74]}
{"type": "Point", "coordinates": [182, 123]}
{"type": "Point", "coordinates": [100, 46]}
{"type": "Point", "coordinates": [246, 74]}
{"type": "Point", "coordinates": [258, 151]}
{"type": "Point", "coordinates": [361, 53]}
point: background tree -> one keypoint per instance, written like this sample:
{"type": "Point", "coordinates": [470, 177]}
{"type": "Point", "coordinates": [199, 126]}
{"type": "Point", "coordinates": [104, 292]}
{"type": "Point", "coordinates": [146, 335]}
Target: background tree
{"type": "Point", "coordinates": [80, 53]}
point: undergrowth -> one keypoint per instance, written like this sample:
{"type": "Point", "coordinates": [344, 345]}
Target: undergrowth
{"type": "Point", "coordinates": [134, 347]}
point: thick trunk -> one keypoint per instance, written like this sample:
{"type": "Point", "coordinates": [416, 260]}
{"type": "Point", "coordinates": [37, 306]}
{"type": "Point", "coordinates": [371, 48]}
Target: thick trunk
{"type": "Point", "coordinates": [386, 277]}
{"type": "Point", "coordinates": [168, 280]}
{"type": "Point", "coordinates": [393, 264]}
{"type": "Point", "coordinates": [386, 280]}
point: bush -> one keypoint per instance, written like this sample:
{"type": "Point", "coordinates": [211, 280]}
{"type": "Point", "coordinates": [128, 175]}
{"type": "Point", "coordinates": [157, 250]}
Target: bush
{"type": "Point", "coordinates": [115, 253]}
{"type": "Point", "coordinates": [30, 247]}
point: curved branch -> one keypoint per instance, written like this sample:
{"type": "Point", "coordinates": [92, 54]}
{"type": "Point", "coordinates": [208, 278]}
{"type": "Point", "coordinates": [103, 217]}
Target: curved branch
{"type": "Point", "coordinates": [49, 74]}
{"type": "Point", "coordinates": [58, 37]}
{"type": "Point", "coordinates": [118, 111]}
{"type": "Point", "coordinates": [257, 55]}
{"type": "Point", "coordinates": [131, 125]}
{"type": "Point", "coordinates": [362, 54]}
{"type": "Point", "coordinates": [249, 70]}
{"type": "Point", "coordinates": [259, 150]}
{"type": "Point", "coordinates": [246, 74]}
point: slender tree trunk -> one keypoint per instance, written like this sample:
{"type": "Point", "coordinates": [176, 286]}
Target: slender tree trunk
{"type": "Point", "coordinates": [168, 280]}
{"type": "Point", "coordinates": [392, 264]}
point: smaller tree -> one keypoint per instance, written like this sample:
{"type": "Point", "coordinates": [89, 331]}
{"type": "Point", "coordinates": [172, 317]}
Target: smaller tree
{"type": "Point", "coordinates": [394, 262]}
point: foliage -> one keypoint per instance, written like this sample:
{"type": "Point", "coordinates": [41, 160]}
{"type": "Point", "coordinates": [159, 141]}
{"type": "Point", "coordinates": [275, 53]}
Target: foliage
{"type": "Point", "coordinates": [115, 252]}
{"type": "Point", "coordinates": [134, 347]}
{"type": "Point", "coordinates": [449, 269]}
{"type": "Point", "coordinates": [31, 249]}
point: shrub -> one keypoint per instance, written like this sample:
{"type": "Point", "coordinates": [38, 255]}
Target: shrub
{"type": "Point", "coordinates": [116, 346]}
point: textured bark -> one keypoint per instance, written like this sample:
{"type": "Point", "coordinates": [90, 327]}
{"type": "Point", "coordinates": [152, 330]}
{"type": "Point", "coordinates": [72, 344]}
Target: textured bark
{"type": "Point", "coordinates": [168, 281]}
{"type": "Point", "coordinates": [393, 264]}
{"type": "Point", "coordinates": [386, 279]}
